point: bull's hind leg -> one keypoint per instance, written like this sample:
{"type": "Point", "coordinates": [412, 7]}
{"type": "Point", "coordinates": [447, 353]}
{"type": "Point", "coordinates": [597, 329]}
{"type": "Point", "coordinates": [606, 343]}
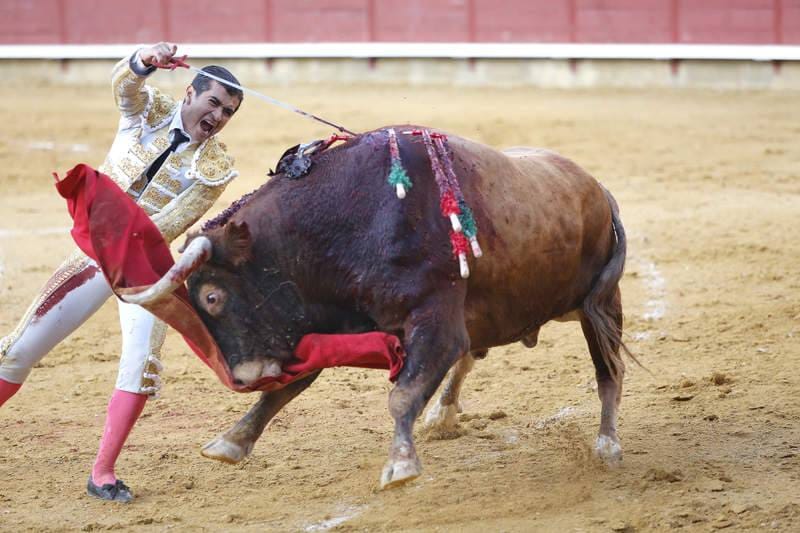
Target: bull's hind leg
{"type": "Point", "coordinates": [603, 333]}
{"type": "Point", "coordinates": [237, 443]}
{"type": "Point", "coordinates": [436, 337]}
{"type": "Point", "coordinates": [443, 413]}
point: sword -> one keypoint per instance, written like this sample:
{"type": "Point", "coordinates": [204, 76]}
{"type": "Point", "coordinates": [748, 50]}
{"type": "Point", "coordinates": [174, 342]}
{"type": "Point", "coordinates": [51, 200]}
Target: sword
{"type": "Point", "coordinates": [181, 62]}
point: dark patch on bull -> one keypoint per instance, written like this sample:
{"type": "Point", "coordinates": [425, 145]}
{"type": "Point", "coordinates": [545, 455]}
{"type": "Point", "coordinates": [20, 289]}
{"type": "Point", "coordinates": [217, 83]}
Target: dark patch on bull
{"type": "Point", "coordinates": [296, 162]}
{"type": "Point", "coordinates": [293, 164]}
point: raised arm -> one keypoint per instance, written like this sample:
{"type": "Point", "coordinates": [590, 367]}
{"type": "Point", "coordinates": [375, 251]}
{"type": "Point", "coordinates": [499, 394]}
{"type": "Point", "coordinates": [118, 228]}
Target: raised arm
{"type": "Point", "coordinates": [129, 75]}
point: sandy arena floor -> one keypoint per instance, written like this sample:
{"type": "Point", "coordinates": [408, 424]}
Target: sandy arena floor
{"type": "Point", "coordinates": [709, 187]}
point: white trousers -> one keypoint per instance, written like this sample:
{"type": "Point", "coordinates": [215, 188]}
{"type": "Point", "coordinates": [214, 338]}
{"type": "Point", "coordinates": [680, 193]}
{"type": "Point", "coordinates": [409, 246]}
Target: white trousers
{"type": "Point", "coordinates": [73, 294]}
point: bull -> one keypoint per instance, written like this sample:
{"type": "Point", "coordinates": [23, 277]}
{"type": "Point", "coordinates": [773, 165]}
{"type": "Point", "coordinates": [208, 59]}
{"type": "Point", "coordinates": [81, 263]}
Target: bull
{"type": "Point", "coordinates": [337, 252]}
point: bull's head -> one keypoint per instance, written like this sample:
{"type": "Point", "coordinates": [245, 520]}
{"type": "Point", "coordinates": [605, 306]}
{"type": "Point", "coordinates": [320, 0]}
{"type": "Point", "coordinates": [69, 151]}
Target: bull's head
{"type": "Point", "coordinates": [253, 312]}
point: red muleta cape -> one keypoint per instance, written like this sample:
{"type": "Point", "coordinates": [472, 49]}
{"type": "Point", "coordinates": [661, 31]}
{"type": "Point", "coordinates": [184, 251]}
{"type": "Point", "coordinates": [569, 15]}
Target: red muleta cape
{"type": "Point", "coordinates": [114, 231]}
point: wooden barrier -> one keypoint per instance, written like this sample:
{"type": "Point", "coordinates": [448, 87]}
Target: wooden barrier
{"type": "Point", "coordinates": [759, 22]}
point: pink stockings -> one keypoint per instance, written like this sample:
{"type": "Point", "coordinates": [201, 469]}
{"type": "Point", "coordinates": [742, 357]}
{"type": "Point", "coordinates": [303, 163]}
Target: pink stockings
{"type": "Point", "coordinates": [7, 390]}
{"type": "Point", "coordinates": [124, 409]}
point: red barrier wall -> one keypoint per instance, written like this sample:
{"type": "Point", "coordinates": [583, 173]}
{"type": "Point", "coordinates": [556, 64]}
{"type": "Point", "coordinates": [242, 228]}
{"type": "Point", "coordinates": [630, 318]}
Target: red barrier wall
{"type": "Point", "coordinates": [583, 21]}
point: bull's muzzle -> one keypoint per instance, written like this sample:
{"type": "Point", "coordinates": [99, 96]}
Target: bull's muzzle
{"type": "Point", "coordinates": [249, 372]}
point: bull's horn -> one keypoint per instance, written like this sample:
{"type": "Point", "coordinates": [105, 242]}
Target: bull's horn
{"type": "Point", "coordinates": [197, 253]}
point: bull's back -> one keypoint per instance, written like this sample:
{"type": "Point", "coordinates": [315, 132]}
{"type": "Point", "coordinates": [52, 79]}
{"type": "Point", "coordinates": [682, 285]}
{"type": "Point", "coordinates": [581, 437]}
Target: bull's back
{"type": "Point", "coordinates": [545, 229]}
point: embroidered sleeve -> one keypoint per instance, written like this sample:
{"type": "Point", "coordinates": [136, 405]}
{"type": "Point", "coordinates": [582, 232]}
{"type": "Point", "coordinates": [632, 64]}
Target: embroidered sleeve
{"type": "Point", "coordinates": [186, 209]}
{"type": "Point", "coordinates": [128, 86]}
{"type": "Point", "coordinates": [212, 164]}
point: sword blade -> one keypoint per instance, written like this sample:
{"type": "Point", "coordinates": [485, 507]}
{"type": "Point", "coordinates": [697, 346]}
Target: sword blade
{"type": "Point", "coordinates": [269, 99]}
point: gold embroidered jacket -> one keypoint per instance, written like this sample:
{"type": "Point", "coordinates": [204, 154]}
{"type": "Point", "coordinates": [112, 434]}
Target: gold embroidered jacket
{"type": "Point", "coordinates": [188, 182]}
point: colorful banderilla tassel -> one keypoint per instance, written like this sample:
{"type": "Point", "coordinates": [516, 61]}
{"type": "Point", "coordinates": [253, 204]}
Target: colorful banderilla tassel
{"type": "Point", "coordinates": [470, 227]}
{"type": "Point", "coordinates": [449, 207]}
{"type": "Point", "coordinates": [451, 201]}
{"type": "Point", "coordinates": [465, 213]}
{"type": "Point", "coordinates": [459, 245]}
{"type": "Point", "coordinates": [448, 204]}
{"type": "Point", "coordinates": [398, 177]}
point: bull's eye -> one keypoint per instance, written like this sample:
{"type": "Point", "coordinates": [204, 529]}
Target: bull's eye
{"type": "Point", "coordinates": [212, 299]}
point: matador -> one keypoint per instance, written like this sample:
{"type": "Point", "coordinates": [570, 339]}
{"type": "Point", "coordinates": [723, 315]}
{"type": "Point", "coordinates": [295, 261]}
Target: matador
{"type": "Point", "coordinates": [167, 157]}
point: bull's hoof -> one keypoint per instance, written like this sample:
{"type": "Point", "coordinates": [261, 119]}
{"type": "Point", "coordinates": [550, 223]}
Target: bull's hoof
{"type": "Point", "coordinates": [443, 417]}
{"type": "Point", "coordinates": [221, 449]}
{"type": "Point", "coordinates": [400, 472]}
{"type": "Point", "coordinates": [609, 450]}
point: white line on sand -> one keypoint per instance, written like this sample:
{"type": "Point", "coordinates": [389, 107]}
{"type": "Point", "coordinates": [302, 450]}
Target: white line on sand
{"type": "Point", "coordinates": [347, 514]}
{"type": "Point", "coordinates": [656, 306]}
{"type": "Point", "coordinates": [655, 289]}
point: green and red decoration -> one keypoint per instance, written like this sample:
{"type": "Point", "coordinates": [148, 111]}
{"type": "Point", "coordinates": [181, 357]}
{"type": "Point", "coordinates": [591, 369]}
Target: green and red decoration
{"type": "Point", "coordinates": [398, 177]}
{"type": "Point", "coordinates": [468, 225]}
{"type": "Point", "coordinates": [452, 204]}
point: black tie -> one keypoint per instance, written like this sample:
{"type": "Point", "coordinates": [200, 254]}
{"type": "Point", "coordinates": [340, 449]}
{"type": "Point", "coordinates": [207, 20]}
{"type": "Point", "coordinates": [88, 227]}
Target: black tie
{"type": "Point", "coordinates": [178, 138]}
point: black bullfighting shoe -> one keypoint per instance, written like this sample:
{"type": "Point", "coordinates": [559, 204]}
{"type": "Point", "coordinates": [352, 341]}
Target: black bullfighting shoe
{"type": "Point", "coordinates": [118, 492]}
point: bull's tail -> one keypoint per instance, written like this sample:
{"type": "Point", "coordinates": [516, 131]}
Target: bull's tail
{"type": "Point", "coordinates": [602, 307]}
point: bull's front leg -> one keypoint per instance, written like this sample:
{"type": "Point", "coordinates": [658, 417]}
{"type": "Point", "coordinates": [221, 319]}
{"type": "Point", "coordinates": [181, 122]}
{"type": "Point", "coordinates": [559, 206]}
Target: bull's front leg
{"type": "Point", "coordinates": [436, 338]}
{"type": "Point", "coordinates": [237, 443]}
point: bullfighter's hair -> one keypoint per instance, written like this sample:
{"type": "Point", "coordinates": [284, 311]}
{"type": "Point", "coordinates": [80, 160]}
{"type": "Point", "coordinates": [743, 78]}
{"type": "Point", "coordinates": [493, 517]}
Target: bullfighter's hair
{"type": "Point", "coordinates": [202, 83]}
{"type": "Point", "coordinates": [222, 218]}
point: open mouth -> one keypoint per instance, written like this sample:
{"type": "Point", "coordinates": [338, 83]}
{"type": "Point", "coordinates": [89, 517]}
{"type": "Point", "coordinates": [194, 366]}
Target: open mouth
{"type": "Point", "coordinates": [206, 126]}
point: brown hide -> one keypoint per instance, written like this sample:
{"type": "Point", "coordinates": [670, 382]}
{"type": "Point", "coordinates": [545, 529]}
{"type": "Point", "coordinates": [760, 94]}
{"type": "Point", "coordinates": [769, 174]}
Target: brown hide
{"type": "Point", "coordinates": [545, 228]}
{"type": "Point", "coordinates": [348, 251]}
{"type": "Point", "coordinates": [342, 238]}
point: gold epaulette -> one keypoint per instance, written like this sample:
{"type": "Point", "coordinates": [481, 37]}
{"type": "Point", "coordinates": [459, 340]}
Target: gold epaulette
{"type": "Point", "coordinates": [212, 165]}
{"type": "Point", "coordinates": [159, 110]}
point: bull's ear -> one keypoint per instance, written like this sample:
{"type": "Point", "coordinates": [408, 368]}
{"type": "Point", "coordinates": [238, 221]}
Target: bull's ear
{"type": "Point", "coordinates": [238, 245]}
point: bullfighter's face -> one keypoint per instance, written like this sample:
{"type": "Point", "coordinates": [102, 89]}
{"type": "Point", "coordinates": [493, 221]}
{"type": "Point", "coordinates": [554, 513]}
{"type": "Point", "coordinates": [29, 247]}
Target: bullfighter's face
{"type": "Point", "coordinates": [205, 114]}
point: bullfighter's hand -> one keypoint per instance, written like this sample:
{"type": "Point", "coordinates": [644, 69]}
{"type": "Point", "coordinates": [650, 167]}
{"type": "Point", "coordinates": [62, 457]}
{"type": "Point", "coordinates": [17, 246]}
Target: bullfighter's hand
{"type": "Point", "coordinates": [159, 53]}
